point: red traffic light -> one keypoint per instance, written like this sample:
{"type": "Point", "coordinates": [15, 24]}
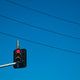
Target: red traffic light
{"type": "Point", "coordinates": [18, 50]}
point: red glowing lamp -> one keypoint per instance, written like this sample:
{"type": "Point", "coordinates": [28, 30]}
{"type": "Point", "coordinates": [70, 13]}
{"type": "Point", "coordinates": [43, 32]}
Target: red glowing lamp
{"type": "Point", "coordinates": [18, 50]}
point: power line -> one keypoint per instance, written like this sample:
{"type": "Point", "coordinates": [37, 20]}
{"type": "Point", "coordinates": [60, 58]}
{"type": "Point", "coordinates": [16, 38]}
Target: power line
{"type": "Point", "coordinates": [39, 43]}
{"type": "Point", "coordinates": [39, 27]}
{"type": "Point", "coordinates": [43, 13]}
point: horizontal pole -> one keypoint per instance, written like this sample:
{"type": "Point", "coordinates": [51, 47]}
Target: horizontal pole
{"type": "Point", "coordinates": [5, 65]}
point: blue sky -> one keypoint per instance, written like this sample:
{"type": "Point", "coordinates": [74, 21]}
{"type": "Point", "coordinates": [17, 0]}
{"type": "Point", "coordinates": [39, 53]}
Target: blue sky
{"type": "Point", "coordinates": [43, 63]}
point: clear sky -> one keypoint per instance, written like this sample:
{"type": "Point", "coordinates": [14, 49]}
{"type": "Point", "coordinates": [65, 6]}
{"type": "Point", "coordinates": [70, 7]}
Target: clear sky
{"type": "Point", "coordinates": [43, 63]}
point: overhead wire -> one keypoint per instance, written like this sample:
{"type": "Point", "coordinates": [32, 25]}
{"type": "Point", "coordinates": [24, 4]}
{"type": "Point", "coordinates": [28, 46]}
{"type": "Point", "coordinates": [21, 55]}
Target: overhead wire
{"type": "Point", "coordinates": [43, 12]}
{"type": "Point", "coordinates": [39, 43]}
{"type": "Point", "coordinates": [38, 27]}
{"type": "Point", "coordinates": [42, 29]}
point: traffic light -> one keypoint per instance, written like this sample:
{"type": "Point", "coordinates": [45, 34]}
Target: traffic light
{"type": "Point", "coordinates": [20, 58]}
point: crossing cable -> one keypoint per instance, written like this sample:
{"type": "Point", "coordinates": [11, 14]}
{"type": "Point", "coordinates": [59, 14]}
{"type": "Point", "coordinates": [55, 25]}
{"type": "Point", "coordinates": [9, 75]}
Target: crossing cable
{"type": "Point", "coordinates": [43, 13]}
{"type": "Point", "coordinates": [39, 27]}
{"type": "Point", "coordinates": [39, 43]}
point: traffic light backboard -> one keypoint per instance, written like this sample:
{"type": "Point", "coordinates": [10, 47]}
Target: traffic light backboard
{"type": "Point", "coordinates": [20, 58]}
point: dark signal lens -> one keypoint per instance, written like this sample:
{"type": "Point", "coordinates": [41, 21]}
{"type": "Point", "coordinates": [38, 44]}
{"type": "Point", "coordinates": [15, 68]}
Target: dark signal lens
{"type": "Point", "coordinates": [17, 60]}
{"type": "Point", "coordinates": [18, 55]}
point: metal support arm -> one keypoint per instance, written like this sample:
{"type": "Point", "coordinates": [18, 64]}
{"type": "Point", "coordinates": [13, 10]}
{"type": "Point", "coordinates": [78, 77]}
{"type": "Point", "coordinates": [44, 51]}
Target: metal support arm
{"type": "Point", "coordinates": [5, 65]}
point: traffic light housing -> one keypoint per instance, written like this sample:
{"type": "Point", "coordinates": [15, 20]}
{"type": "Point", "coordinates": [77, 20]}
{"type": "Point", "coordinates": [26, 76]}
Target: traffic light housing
{"type": "Point", "coordinates": [20, 58]}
